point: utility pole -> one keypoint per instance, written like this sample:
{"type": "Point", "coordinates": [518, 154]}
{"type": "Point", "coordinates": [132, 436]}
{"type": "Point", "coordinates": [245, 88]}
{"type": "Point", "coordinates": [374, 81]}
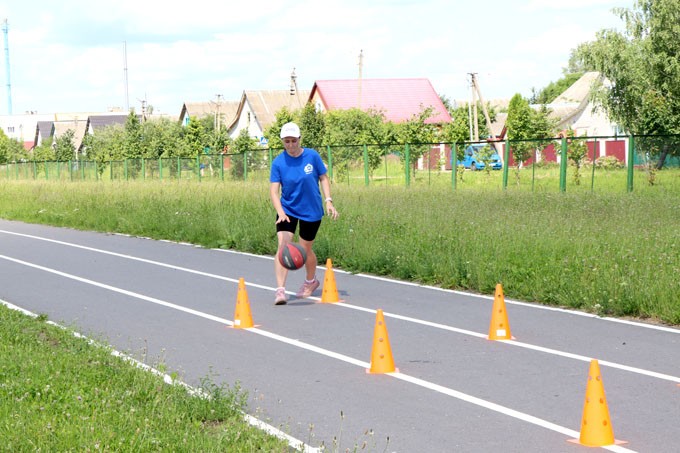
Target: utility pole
{"type": "Point", "coordinates": [475, 120]}
{"type": "Point", "coordinates": [475, 87]}
{"type": "Point", "coordinates": [218, 117]}
{"type": "Point", "coordinates": [5, 30]}
{"type": "Point", "coordinates": [361, 70]}
{"type": "Point", "coordinates": [294, 88]}
{"type": "Point", "coordinates": [143, 101]}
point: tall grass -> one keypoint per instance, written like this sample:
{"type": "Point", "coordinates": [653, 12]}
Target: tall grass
{"type": "Point", "coordinates": [608, 251]}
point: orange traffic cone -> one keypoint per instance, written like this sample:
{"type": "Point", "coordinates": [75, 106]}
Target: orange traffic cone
{"type": "Point", "coordinates": [243, 319]}
{"type": "Point", "coordinates": [500, 327]}
{"type": "Point", "coordinates": [329, 294]}
{"type": "Point", "coordinates": [596, 427]}
{"type": "Point", "coordinates": [381, 355]}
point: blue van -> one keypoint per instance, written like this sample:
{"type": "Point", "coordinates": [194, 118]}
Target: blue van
{"type": "Point", "coordinates": [473, 161]}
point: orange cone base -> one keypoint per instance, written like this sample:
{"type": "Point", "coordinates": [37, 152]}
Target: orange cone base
{"type": "Point", "coordinates": [578, 441]}
{"type": "Point", "coordinates": [503, 337]}
{"type": "Point", "coordinates": [368, 371]}
{"type": "Point", "coordinates": [330, 301]}
{"type": "Point", "coordinates": [244, 327]}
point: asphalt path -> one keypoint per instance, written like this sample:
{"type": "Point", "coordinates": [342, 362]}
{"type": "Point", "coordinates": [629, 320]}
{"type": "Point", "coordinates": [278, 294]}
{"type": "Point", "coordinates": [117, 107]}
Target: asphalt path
{"type": "Point", "coordinates": [304, 364]}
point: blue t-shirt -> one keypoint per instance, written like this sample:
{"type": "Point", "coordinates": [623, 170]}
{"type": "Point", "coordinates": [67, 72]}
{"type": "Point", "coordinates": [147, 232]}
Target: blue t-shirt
{"type": "Point", "coordinates": [299, 179]}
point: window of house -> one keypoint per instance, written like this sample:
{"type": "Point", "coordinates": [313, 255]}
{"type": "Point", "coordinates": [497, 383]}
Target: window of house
{"type": "Point", "coordinates": [10, 129]}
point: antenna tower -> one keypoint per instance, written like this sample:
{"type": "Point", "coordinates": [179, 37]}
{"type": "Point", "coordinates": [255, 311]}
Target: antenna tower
{"type": "Point", "coordinates": [361, 70]}
{"type": "Point", "coordinates": [125, 73]}
{"type": "Point", "coordinates": [5, 29]}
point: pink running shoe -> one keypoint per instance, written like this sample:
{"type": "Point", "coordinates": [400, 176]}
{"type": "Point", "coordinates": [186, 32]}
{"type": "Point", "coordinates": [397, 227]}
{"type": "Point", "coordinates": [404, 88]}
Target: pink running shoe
{"type": "Point", "coordinates": [307, 289]}
{"type": "Point", "coordinates": [281, 297]}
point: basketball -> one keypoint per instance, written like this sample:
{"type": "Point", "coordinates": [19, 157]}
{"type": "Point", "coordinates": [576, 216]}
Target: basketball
{"type": "Point", "coordinates": [292, 256]}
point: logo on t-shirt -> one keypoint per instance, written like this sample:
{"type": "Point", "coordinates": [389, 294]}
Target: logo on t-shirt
{"type": "Point", "coordinates": [309, 168]}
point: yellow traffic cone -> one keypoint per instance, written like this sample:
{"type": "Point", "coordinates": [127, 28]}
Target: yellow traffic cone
{"type": "Point", "coordinates": [381, 354]}
{"type": "Point", "coordinates": [329, 294]}
{"type": "Point", "coordinates": [243, 319]}
{"type": "Point", "coordinates": [596, 427]}
{"type": "Point", "coordinates": [499, 329]}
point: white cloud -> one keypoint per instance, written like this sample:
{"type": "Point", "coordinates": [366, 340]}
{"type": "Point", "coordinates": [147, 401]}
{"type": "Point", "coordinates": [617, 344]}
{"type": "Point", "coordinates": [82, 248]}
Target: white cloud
{"type": "Point", "coordinates": [569, 4]}
{"type": "Point", "coordinates": [71, 57]}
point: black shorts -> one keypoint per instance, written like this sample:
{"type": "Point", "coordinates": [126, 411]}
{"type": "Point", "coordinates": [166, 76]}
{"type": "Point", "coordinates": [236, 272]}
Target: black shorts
{"type": "Point", "coordinates": [308, 230]}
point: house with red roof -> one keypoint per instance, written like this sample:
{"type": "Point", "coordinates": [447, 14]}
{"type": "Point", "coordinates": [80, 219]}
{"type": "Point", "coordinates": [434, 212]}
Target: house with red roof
{"type": "Point", "coordinates": [398, 99]}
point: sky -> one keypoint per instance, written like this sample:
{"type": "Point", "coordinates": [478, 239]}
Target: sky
{"type": "Point", "coordinates": [93, 56]}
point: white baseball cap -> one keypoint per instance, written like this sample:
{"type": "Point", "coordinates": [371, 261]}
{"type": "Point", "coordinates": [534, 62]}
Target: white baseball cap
{"type": "Point", "coordinates": [290, 130]}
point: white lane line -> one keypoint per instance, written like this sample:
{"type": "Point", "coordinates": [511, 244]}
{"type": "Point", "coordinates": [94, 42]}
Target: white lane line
{"type": "Point", "coordinates": [309, 347]}
{"type": "Point", "coordinates": [373, 277]}
{"type": "Point", "coordinates": [583, 358]}
{"type": "Point", "coordinates": [292, 441]}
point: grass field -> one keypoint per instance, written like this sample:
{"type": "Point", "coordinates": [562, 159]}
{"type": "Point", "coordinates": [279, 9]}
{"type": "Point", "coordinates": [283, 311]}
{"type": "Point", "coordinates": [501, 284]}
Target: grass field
{"type": "Point", "coordinates": [62, 393]}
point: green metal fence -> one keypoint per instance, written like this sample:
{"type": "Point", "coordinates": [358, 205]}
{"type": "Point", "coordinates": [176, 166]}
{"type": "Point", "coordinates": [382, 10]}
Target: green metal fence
{"type": "Point", "coordinates": [554, 164]}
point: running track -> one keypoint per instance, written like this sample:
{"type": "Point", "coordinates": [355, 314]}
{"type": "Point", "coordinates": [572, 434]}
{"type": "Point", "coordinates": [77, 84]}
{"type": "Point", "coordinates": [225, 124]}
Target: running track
{"type": "Point", "coordinates": [304, 364]}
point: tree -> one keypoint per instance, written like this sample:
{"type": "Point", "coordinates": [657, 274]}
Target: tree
{"type": "Point", "coordinates": [243, 145]}
{"type": "Point", "coordinates": [554, 89]}
{"type": "Point", "coordinates": [576, 152]}
{"type": "Point", "coordinates": [520, 127]}
{"type": "Point", "coordinates": [418, 133]}
{"type": "Point", "coordinates": [162, 138]}
{"type": "Point", "coordinates": [44, 151]}
{"type": "Point", "coordinates": [643, 66]}
{"type": "Point", "coordinates": [194, 135]}
{"type": "Point", "coordinates": [354, 128]}
{"type": "Point", "coordinates": [312, 123]}
{"type": "Point", "coordinates": [11, 150]}
{"type": "Point", "coordinates": [64, 147]}
{"type": "Point", "coordinates": [133, 136]}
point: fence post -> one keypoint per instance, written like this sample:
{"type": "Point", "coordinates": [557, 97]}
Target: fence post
{"type": "Point", "coordinates": [222, 167]}
{"type": "Point", "coordinates": [595, 153]}
{"type": "Point", "coordinates": [563, 165]}
{"type": "Point", "coordinates": [198, 167]}
{"type": "Point", "coordinates": [506, 163]}
{"type": "Point", "coordinates": [631, 159]}
{"type": "Point", "coordinates": [407, 164]}
{"type": "Point", "coordinates": [454, 165]}
{"type": "Point", "coordinates": [160, 169]}
{"type": "Point", "coordinates": [366, 165]}
{"type": "Point", "coordinates": [179, 169]}
{"type": "Point", "coordinates": [47, 175]}
{"type": "Point", "coordinates": [143, 169]}
{"type": "Point", "coordinates": [245, 165]}
{"type": "Point", "coordinates": [330, 162]}
{"type": "Point", "coordinates": [533, 170]}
